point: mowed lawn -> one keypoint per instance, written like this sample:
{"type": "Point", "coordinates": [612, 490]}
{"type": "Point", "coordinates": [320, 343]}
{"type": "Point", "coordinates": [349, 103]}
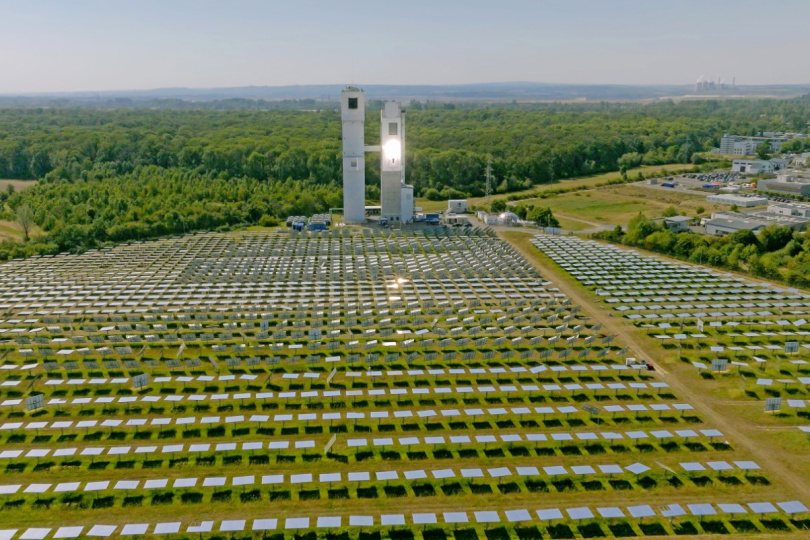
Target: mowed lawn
{"type": "Point", "coordinates": [616, 205]}
{"type": "Point", "coordinates": [571, 225]}
{"type": "Point", "coordinates": [584, 181]}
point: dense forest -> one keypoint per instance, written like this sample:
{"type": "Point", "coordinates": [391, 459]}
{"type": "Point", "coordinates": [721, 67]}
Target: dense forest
{"type": "Point", "coordinates": [777, 253]}
{"type": "Point", "coordinates": [113, 175]}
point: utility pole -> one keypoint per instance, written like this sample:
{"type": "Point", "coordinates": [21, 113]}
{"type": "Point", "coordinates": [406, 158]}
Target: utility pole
{"type": "Point", "coordinates": [489, 177]}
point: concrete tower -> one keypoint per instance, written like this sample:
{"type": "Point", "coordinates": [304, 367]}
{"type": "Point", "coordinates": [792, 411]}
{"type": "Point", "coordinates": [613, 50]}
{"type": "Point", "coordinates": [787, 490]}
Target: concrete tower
{"type": "Point", "coordinates": [353, 116]}
{"type": "Point", "coordinates": [397, 197]}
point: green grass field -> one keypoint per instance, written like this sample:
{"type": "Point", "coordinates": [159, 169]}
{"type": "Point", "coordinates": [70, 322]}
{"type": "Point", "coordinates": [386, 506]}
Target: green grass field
{"type": "Point", "coordinates": [616, 205]}
{"type": "Point", "coordinates": [586, 181]}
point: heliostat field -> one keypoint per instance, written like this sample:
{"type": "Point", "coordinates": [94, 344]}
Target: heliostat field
{"type": "Point", "coordinates": [350, 383]}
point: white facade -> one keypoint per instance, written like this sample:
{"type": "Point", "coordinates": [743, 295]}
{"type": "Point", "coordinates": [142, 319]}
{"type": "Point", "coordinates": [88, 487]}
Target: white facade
{"type": "Point", "coordinates": [738, 200]}
{"type": "Point", "coordinates": [396, 196]}
{"type": "Point", "coordinates": [747, 146]}
{"type": "Point", "coordinates": [457, 206]}
{"type": "Point", "coordinates": [752, 166]}
{"type": "Point", "coordinates": [487, 219]}
{"type": "Point", "coordinates": [353, 116]}
{"type": "Point", "coordinates": [720, 225]}
{"type": "Point", "coordinates": [406, 200]}
{"type": "Point", "coordinates": [790, 209]}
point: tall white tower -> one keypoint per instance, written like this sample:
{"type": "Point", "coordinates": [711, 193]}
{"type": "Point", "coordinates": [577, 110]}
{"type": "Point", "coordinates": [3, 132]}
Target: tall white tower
{"type": "Point", "coordinates": [353, 116]}
{"type": "Point", "coordinates": [392, 167]}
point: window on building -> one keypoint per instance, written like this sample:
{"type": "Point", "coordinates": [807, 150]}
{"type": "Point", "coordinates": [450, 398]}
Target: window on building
{"type": "Point", "coordinates": [352, 102]}
{"type": "Point", "coordinates": [392, 128]}
{"type": "Point", "coordinates": [353, 164]}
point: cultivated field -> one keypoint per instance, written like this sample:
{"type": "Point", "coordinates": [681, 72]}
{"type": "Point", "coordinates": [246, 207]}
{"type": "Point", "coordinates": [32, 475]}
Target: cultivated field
{"type": "Point", "coordinates": [417, 384]}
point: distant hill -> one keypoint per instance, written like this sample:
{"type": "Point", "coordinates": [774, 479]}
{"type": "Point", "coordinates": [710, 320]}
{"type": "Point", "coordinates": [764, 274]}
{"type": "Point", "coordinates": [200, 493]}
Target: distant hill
{"type": "Point", "coordinates": [324, 93]}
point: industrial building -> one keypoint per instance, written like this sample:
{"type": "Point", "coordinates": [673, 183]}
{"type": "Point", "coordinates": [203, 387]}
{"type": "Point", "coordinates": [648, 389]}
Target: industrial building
{"type": "Point", "coordinates": [737, 200]}
{"type": "Point", "coordinates": [747, 146]}
{"type": "Point", "coordinates": [758, 166]}
{"type": "Point", "coordinates": [794, 215]}
{"type": "Point", "coordinates": [724, 223]}
{"type": "Point", "coordinates": [801, 160]}
{"type": "Point", "coordinates": [396, 196]}
{"type": "Point", "coordinates": [677, 223]}
{"type": "Point", "coordinates": [704, 85]}
{"type": "Point", "coordinates": [455, 220]}
{"type": "Point", "coordinates": [457, 206]}
{"type": "Point", "coordinates": [791, 182]}
{"type": "Point", "coordinates": [798, 210]}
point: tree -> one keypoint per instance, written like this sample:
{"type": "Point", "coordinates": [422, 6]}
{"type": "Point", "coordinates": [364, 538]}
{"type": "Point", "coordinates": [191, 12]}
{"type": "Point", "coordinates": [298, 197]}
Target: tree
{"type": "Point", "coordinates": [432, 194]}
{"type": "Point", "coordinates": [763, 150]}
{"type": "Point", "coordinates": [745, 237]}
{"type": "Point", "coordinates": [543, 217]}
{"type": "Point", "coordinates": [497, 206]}
{"type": "Point", "coordinates": [793, 145]}
{"type": "Point", "coordinates": [774, 237]}
{"type": "Point", "coordinates": [700, 210]}
{"type": "Point", "coordinates": [631, 160]}
{"type": "Point", "coordinates": [687, 243]}
{"type": "Point", "coordinates": [638, 229]}
{"type": "Point", "coordinates": [661, 241]}
{"type": "Point", "coordinates": [25, 219]}
{"type": "Point", "coordinates": [670, 212]}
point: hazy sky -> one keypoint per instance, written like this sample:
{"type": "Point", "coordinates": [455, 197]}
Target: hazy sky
{"type": "Point", "coordinates": [70, 45]}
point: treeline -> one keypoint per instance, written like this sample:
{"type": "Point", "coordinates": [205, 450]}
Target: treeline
{"type": "Point", "coordinates": [152, 201]}
{"type": "Point", "coordinates": [447, 147]}
{"type": "Point", "coordinates": [116, 175]}
{"type": "Point", "coordinates": [776, 252]}
{"type": "Point", "coordinates": [113, 103]}
{"type": "Point", "coordinates": [796, 146]}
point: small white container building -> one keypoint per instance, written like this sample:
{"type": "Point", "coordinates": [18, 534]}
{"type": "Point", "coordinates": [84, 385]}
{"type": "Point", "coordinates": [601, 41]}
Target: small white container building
{"type": "Point", "coordinates": [457, 206]}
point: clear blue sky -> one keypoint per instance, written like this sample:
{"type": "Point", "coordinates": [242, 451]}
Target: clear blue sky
{"type": "Point", "coordinates": [71, 45]}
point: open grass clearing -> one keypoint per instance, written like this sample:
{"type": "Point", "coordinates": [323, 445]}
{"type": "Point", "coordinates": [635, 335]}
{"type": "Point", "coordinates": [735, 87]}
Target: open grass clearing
{"type": "Point", "coordinates": [616, 205]}
{"type": "Point", "coordinates": [571, 183]}
{"type": "Point", "coordinates": [19, 185]}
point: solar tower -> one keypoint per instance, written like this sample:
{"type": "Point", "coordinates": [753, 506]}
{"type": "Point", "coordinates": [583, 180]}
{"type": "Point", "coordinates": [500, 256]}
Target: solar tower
{"type": "Point", "coordinates": [353, 116]}
{"type": "Point", "coordinates": [396, 195]}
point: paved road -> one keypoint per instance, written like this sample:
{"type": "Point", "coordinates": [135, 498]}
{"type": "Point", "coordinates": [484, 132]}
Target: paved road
{"type": "Point", "coordinates": [733, 424]}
